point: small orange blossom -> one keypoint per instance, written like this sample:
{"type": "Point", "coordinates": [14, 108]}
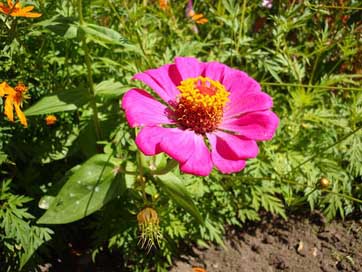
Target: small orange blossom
{"type": "Point", "coordinates": [198, 269]}
{"type": "Point", "coordinates": [163, 4]}
{"type": "Point", "coordinates": [17, 11]}
{"type": "Point", "coordinates": [14, 98]}
{"type": "Point", "coordinates": [198, 18]}
{"type": "Point", "coordinates": [50, 119]}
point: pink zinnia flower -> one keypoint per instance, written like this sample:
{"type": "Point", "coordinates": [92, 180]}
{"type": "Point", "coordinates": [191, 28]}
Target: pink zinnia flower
{"type": "Point", "coordinates": [210, 115]}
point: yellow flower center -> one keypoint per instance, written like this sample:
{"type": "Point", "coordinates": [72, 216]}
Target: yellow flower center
{"type": "Point", "coordinates": [201, 103]}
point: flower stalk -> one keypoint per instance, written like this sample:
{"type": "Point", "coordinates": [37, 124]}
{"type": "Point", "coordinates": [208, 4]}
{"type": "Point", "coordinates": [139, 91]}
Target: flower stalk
{"type": "Point", "coordinates": [88, 63]}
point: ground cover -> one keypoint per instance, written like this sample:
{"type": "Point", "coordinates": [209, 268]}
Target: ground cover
{"type": "Point", "coordinates": [302, 243]}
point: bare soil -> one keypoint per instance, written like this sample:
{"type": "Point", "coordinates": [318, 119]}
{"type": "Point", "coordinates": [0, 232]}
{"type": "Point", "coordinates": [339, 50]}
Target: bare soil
{"type": "Point", "coordinates": [302, 243]}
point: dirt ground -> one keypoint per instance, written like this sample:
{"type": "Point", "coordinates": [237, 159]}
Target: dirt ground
{"type": "Point", "coordinates": [303, 243]}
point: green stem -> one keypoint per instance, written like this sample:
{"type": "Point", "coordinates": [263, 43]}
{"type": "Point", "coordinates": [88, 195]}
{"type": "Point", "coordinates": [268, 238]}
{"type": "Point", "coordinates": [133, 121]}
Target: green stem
{"type": "Point", "coordinates": [305, 186]}
{"type": "Point", "coordinates": [310, 86]}
{"type": "Point", "coordinates": [314, 70]}
{"type": "Point", "coordinates": [91, 90]}
{"type": "Point", "coordinates": [114, 10]}
{"type": "Point", "coordinates": [343, 195]}
{"type": "Point", "coordinates": [333, 7]}
{"type": "Point", "coordinates": [140, 175]}
{"type": "Point", "coordinates": [242, 19]}
{"type": "Point", "coordinates": [241, 27]}
{"type": "Point", "coordinates": [322, 151]}
{"type": "Point", "coordinates": [139, 40]}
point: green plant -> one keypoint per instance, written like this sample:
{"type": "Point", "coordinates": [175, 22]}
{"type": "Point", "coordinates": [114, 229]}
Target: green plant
{"type": "Point", "coordinates": [78, 60]}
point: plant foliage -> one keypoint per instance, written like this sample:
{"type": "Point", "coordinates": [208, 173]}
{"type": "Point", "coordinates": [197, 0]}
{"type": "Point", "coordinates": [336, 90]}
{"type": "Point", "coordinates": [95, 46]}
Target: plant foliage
{"type": "Point", "coordinates": [78, 59]}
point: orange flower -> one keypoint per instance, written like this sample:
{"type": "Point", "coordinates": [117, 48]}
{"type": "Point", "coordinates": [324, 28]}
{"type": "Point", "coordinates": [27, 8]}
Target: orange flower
{"type": "Point", "coordinates": [51, 120]}
{"type": "Point", "coordinates": [17, 11]}
{"type": "Point", "coordinates": [198, 18]}
{"type": "Point", "coordinates": [14, 98]}
{"type": "Point", "coordinates": [163, 4]}
{"type": "Point", "coordinates": [198, 269]}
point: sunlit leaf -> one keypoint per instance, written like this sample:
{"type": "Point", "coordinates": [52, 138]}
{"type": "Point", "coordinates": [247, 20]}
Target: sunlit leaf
{"type": "Point", "coordinates": [110, 89]}
{"type": "Point", "coordinates": [87, 190]}
{"type": "Point", "coordinates": [172, 185]}
{"type": "Point", "coordinates": [62, 101]}
{"type": "Point", "coordinates": [102, 35]}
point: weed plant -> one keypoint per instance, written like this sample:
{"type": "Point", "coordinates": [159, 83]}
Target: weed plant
{"type": "Point", "coordinates": [77, 61]}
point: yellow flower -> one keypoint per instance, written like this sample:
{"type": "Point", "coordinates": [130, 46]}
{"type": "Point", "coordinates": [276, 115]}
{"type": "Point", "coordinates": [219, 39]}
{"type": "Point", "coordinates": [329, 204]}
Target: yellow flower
{"type": "Point", "coordinates": [51, 120]}
{"type": "Point", "coordinates": [17, 11]}
{"type": "Point", "coordinates": [14, 98]}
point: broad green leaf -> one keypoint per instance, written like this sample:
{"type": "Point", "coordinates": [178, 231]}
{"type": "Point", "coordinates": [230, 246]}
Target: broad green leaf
{"type": "Point", "coordinates": [62, 101]}
{"type": "Point", "coordinates": [58, 24]}
{"type": "Point", "coordinates": [86, 190]}
{"type": "Point", "coordinates": [110, 89]}
{"type": "Point", "coordinates": [103, 35]}
{"type": "Point", "coordinates": [87, 135]}
{"type": "Point", "coordinates": [172, 185]}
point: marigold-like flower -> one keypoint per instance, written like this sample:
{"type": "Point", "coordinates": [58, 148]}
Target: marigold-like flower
{"type": "Point", "coordinates": [14, 98]}
{"type": "Point", "coordinates": [18, 11]}
{"type": "Point", "coordinates": [50, 119]}
{"type": "Point", "coordinates": [198, 18]}
{"type": "Point", "coordinates": [163, 4]}
{"type": "Point", "coordinates": [205, 106]}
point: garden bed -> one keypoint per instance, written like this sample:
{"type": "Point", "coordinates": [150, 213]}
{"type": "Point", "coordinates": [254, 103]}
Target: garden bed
{"type": "Point", "coordinates": [299, 244]}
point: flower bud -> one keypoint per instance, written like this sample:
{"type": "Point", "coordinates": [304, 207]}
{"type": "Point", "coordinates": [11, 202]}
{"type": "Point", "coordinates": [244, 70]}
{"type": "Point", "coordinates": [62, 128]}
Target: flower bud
{"type": "Point", "coordinates": [148, 223]}
{"type": "Point", "coordinates": [324, 183]}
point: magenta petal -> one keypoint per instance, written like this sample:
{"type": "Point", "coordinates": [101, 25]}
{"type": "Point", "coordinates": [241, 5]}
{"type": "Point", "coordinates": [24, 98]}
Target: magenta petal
{"type": "Point", "coordinates": [214, 70]}
{"type": "Point", "coordinates": [249, 102]}
{"type": "Point", "coordinates": [149, 138]}
{"type": "Point", "coordinates": [142, 109]}
{"type": "Point", "coordinates": [188, 67]}
{"type": "Point", "coordinates": [239, 82]}
{"type": "Point", "coordinates": [223, 157]}
{"type": "Point", "coordinates": [259, 126]}
{"type": "Point", "coordinates": [167, 79]}
{"type": "Point", "coordinates": [162, 80]}
{"type": "Point", "coordinates": [237, 146]}
{"type": "Point", "coordinates": [200, 162]}
{"type": "Point", "coordinates": [189, 149]}
{"type": "Point", "coordinates": [178, 144]}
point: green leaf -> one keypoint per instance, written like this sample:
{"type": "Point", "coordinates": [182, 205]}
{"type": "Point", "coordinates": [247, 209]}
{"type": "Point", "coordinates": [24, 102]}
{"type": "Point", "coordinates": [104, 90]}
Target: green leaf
{"type": "Point", "coordinates": [59, 24]}
{"type": "Point", "coordinates": [3, 157]}
{"type": "Point", "coordinates": [62, 101]}
{"type": "Point", "coordinates": [87, 190]}
{"type": "Point", "coordinates": [71, 32]}
{"type": "Point", "coordinates": [103, 35]}
{"type": "Point", "coordinates": [45, 201]}
{"type": "Point", "coordinates": [110, 89]}
{"type": "Point", "coordinates": [172, 185]}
